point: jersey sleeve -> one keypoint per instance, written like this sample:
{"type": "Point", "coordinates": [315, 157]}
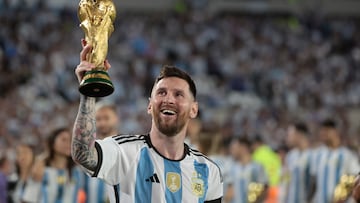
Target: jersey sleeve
{"type": "Point", "coordinates": [215, 190]}
{"type": "Point", "coordinates": [113, 161]}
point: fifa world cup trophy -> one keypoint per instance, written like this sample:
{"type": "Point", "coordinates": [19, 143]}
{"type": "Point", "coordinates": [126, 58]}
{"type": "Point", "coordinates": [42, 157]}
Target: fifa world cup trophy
{"type": "Point", "coordinates": [96, 19]}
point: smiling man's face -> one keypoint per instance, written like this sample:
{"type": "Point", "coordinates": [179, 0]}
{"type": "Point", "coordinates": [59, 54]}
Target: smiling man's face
{"type": "Point", "coordinates": [172, 105]}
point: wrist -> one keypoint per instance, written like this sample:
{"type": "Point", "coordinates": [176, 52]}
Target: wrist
{"type": "Point", "coordinates": [84, 98]}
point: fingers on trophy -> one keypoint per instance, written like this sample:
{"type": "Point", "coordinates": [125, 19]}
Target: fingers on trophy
{"type": "Point", "coordinates": [96, 19]}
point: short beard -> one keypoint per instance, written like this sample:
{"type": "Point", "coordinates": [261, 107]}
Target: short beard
{"type": "Point", "coordinates": [104, 133]}
{"type": "Point", "coordinates": [169, 130]}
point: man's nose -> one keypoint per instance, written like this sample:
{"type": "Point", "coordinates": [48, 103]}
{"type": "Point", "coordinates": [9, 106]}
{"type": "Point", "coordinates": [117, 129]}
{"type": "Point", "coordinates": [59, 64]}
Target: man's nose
{"type": "Point", "coordinates": [169, 98]}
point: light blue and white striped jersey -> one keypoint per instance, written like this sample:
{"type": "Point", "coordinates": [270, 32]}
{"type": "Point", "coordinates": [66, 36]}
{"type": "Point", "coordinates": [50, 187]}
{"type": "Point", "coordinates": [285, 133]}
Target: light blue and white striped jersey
{"type": "Point", "coordinates": [242, 176]}
{"type": "Point", "coordinates": [296, 176]}
{"type": "Point", "coordinates": [225, 164]}
{"type": "Point", "coordinates": [96, 190]}
{"type": "Point", "coordinates": [55, 187]}
{"type": "Point", "coordinates": [146, 176]}
{"type": "Point", "coordinates": [330, 165]}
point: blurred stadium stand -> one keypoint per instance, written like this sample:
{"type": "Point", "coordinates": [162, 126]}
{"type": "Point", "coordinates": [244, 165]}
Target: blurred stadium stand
{"type": "Point", "coordinates": [294, 67]}
{"type": "Point", "coordinates": [326, 7]}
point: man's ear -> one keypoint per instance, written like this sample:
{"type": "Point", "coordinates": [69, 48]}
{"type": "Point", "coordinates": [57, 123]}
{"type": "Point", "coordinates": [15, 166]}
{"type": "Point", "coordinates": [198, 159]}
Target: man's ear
{"type": "Point", "coordinates": [194, 110]}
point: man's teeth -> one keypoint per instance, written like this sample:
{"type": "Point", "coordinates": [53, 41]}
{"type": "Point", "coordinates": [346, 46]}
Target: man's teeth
{"type": "Point", "coordinates": [168, 112]}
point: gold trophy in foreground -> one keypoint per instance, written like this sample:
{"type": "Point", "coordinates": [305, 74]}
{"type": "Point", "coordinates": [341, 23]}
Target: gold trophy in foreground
{"type": "Point", "coordinates": [344, 188]}
{"type": "Point", "coordinates": [96, 19]}
{"type": "Point", "coordinates": [255, 190]}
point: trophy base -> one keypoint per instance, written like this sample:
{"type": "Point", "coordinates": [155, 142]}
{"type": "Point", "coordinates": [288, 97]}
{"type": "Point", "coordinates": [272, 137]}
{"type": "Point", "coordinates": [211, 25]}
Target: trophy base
{"type": "Point", "coordinates": [96, 83]}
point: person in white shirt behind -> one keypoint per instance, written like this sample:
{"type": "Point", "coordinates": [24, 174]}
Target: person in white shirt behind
{"type": "Point", "coordinates": [332, 161]}
{"type": "Point", "coordinates": [296, 179]}
{"type": "Point", "coordinates": [245, 172]}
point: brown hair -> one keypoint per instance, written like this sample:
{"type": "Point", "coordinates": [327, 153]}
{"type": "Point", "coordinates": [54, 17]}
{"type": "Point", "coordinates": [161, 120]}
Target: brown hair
{"type": "Point", "coordinates": [50, 144]}
{"type": "Point", "coordinates": [172, 71]}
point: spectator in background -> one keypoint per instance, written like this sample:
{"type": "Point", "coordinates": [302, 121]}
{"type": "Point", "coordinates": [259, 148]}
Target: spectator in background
{"type": "Point", "coordinates": [192, 134]}
{"type": "Point", "coordinates": [332, 161]}
{"type": "Point", "coordinates": [54, 177]}
{"type": "Point", "coordinates": [296, 180]}
{"type": "Point", "coordinates": [107, 120]}
{"type": "Point", "coordinates": [4, 172]}
{"type": "Point", "coordinates": [270, 160]}
{"type": "Point", "coordinates": [25, 156]}
{"type": "Point", "coordinates": [244, 172]}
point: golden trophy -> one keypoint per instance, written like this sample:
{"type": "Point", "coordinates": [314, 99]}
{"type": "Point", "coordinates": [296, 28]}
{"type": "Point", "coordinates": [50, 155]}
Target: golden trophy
{"type": "Point", "coordinates": [255, 190]}
{"type": "Point", "coordinates": [96, 19]}
{"type": "Point", "coordinates": [344, 188]}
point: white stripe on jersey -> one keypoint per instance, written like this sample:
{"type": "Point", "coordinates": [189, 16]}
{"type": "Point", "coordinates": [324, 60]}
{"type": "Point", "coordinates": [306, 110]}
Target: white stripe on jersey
{"type": "Point", "coordinates": [330, 165]}
{"type": "Point", "coordinates": [147, 176]}
{"type": "Point", "coordinates": [296, 176]}
{"type": "Point", "coordinates": [158, 187]}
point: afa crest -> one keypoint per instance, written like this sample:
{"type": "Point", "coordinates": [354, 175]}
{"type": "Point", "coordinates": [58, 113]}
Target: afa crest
{"type": "Point", "coordinates": [61, 180]}
{"type": "Point", "coordinates": [173, 181]}
{"type": "Point", "coordinates": [197, 185]}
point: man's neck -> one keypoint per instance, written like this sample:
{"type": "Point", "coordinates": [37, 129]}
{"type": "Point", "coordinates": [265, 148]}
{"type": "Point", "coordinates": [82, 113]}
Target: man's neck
{"type": "Point", "coordinates": [333, 144]}
{"type": "Point", "coordinates": [169, 147]}
{"type": "Point", "coordinates": [24, 173]}
{"type": "Point", "coordinates": [245, 159]}
{"type": "Point", "coordinates": [103, 136]}
{"type": "Point", "coordinates": [303, 145]}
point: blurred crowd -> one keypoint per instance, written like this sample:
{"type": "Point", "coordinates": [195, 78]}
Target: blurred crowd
{"type": "Point", "coordinates": [255, 74]}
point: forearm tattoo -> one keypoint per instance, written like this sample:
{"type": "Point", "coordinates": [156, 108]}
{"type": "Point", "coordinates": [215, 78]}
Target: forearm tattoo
{"type": "Point", "coordinates": [84, 135]}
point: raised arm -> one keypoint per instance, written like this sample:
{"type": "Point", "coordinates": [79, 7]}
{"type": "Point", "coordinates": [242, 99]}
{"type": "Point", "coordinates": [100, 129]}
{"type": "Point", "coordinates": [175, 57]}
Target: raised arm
{"type": "Point", "coordinates": [83, 149]}
{"type": "Point", "coordinates": [84, 135]}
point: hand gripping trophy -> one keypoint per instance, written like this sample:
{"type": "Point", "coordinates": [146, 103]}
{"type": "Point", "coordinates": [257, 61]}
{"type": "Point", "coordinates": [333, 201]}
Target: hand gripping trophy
{"type": "Point", "coordinates": [97, 17]}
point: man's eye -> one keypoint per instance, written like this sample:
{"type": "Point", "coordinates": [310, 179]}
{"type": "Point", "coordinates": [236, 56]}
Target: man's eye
{"type": "Point", "coordinates": [162, 93]}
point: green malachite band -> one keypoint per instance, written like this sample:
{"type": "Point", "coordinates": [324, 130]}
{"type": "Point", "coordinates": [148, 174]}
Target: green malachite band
{"type": "Point", "coordinates": [96, 83]}
{"type": "Point", "coordinates": [91, 80]}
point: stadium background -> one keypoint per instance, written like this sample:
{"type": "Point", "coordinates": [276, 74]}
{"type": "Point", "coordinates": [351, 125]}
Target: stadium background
{"type": "Point", "coordinates": [259, 64]}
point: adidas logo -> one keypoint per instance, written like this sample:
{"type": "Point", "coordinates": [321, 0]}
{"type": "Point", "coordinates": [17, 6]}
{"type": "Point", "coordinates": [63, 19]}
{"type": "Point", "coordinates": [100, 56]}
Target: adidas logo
{"type": "Point", "coordinates": [154, 179]}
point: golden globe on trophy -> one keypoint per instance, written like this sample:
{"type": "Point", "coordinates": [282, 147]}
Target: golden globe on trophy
{"type": "Point", "coordinates": [96, 19]}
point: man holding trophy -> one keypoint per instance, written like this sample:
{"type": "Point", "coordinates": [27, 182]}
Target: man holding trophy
{"type": "Point", "coordinates": [158, 166]}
